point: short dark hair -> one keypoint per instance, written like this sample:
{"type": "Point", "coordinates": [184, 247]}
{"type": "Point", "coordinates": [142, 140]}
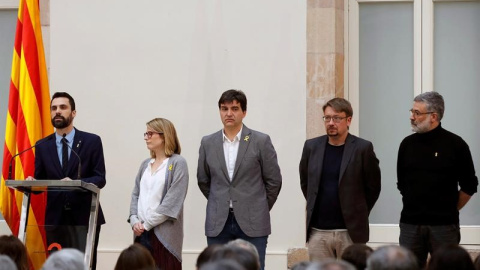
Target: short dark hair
{"type": "Point", "coordinates": [231, 95]}
{"type": "Point", "coordinates": [450, 256]}
{"type": "Point", "coordinates": [339, 105]}
{"type": "Point", "coordinates": [64, 95]}
{"type": "Point", "coordinates": [206, 254]}
{"type": "Point", "coordinates": [357, 255]}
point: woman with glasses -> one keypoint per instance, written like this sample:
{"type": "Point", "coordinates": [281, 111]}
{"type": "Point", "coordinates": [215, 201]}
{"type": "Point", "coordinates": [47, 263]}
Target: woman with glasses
{"type": "Point", "coordinates": [156, 208]}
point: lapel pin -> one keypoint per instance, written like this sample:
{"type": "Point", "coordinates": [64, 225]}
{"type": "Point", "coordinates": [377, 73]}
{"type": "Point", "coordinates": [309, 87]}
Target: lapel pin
{"type": "Point", "coordinates": [170, 167]}
{"type": "Point", "coordinates": [246, 138]}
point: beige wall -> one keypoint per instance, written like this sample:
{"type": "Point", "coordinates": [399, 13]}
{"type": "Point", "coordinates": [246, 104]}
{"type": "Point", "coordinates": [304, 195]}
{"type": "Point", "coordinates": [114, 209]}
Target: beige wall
{"type": "Point", "coordinates": [129, 61]}
{"type": "Point", "coordinates": [125, 64]}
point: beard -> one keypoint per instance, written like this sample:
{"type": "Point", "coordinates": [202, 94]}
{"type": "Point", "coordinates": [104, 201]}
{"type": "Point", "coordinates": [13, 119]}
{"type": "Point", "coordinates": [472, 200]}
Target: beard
{"type": "Point", "coordinates": [65, 122]}
{"type": "Point", "coordinates": [420, 127]}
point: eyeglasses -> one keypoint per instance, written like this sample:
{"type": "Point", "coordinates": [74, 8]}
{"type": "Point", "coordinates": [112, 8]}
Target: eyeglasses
{"type": "Point", "coordinates": [336, 119]}
{"type": "Point", "coordinates": [418, 113]}
{"type": "Point", "coordinates": [150, 133]}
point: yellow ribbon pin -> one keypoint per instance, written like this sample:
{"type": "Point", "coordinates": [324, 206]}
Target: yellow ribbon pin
{"type": "Point", "coordinates": [170, 167]}
{"type": "Point", "coordinates": [246, 138]}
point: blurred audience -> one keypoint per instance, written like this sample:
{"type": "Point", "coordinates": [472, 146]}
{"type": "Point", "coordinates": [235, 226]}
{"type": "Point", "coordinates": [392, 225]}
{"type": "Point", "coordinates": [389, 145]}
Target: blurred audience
{"type": "Point", "coordinates": [331, 264]}
{"type": "Point", "coordinates": [243, 256]}
{"type": "Point", "coordinates": [223, 264]}
{"type": "Point", "coordinates": [476, 263]}
{"type": "Point", "coordinates": [135, 256]}
{"type": "Point", "coordinates": [65, 259]}
{"type": "Point", "coordinates": [450, 256]}
{"type": "Point", "coordinates": [206, 254]}
{"type": "Point", "coordinates": [12, 247]}
{"type": "Point", "coordinates": [244, 244]}
{"type": "Point", "coordinates": [301, 265]}
{"type": "Point", "coordinates": [392, 257]}
{"type": "Point", "coordinates": [357, 255]}
{"type": "Point", "coordinates": [6, 263]}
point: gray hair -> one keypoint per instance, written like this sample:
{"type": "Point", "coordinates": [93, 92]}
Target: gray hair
{"type": "Point", "coordinates": [392, 258]}
{"type": "Point", "coordinates": [244, 244]}
{"type": "Point", "coordinates": [331, 264]}
{"type": "Point", "coordinates": [6, 263]}
{"type": "Point", "coordinates": [434, 102]}
{"type": "Point", "coordinates": [65, 259]}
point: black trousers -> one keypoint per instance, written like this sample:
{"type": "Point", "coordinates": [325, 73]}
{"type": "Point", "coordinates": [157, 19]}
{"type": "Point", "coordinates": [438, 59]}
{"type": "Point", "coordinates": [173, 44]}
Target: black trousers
{"type": "Point", "coordinates": [70, 235]}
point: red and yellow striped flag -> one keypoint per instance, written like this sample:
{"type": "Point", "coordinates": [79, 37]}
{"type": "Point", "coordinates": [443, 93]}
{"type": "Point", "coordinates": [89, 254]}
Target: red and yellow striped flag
{"type": "Point", "coordinates": [28, 120]}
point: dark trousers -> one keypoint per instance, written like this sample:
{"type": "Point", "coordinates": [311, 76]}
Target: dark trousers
{"type": "Point", "coordinates": [232, 231]}
{"type": "Point", "coordinates": [69, 235]}
{"type": "Point", "coordinates": [424, 239]}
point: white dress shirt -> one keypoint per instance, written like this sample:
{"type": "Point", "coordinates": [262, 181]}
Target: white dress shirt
{"type": "Point", "coordinates": [230, 150]}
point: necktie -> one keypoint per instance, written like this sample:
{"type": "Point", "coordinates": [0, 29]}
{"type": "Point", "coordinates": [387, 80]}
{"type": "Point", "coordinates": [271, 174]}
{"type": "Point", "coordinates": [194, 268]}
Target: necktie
{"type": "Point", "coordinates": [64, 155]}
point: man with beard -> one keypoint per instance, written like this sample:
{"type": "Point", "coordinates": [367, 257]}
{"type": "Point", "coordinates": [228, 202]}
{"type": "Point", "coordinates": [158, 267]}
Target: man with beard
{"type": "Point", "coordinates": [432, 163]}
{"type": "Point", "coordinates": [340, 179]}
{"type": "Point", "coordinates": [67, 213]}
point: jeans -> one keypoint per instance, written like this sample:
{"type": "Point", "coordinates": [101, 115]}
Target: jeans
{"type": "Point", "coordinates": [232, 231]}
{"type": "Point", "coordinates": [424, 239]}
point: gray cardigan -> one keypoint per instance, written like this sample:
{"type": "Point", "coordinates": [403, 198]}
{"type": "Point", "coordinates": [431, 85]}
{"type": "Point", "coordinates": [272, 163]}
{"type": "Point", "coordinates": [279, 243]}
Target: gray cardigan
{"type": "Point", "coordinates": [170, 232]}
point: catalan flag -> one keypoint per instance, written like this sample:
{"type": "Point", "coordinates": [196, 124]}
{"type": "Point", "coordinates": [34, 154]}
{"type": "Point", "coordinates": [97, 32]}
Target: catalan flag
{"type": "Point", "coordinates": [28, 120]}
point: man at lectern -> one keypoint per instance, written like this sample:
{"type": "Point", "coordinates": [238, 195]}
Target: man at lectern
{"type": "Point", "coordinates": [69, 154]}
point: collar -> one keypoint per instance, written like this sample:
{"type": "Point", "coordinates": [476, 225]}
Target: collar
{"type": "Point", "coordinates": [69, 137]}
{"type": "Point", "coordinates": [236, 138]}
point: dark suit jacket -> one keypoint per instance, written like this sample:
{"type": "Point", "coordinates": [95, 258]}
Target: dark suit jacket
{"type": "Point", "coordinates": [359, 184]}
{"type": "Point", "coordinates": [47, 167]}
{"type": "Point", "coordinates": [254, 187]}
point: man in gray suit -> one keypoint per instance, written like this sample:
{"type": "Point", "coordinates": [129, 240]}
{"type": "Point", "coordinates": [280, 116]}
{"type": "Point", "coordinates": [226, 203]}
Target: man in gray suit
{"type": "Point", "coordinates": [239, 175]}
{"type": "Point", "coordinates": [340, 179]}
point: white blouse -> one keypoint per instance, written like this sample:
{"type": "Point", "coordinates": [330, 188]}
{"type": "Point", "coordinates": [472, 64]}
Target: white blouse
{"type": "Point", "coordinates": [152, 185]}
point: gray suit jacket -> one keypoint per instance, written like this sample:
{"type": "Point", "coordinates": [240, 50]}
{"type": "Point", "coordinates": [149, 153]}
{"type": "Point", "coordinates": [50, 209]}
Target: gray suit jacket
{"type": "Point", "coordinates": [254, 188]}
{"type": "Point", "coordinates": [359, 183]}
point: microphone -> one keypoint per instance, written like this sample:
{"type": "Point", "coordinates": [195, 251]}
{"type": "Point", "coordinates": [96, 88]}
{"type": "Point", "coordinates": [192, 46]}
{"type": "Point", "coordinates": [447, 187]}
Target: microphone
{"type": "Point", "coordinates": [76, 154]}
{"type": "Point", "coordinates": [18, 154]}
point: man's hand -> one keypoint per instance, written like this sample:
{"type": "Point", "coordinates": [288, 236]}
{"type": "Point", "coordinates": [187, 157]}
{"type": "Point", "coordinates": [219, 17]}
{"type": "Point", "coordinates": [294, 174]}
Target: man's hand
{"type": "Point", "coordinates": [29, 178]}
{"type": "Point", "coordinates": [66, 179]}
{"type": "Point", "coordinates": [138, 229]}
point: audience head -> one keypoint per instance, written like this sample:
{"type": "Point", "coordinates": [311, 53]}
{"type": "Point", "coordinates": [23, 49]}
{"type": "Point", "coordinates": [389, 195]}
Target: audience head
{"type": "Point", "coordinates": [476, 263]}
{"type": "Point", "coordinates": [206, 254]}
{"type": "Point", "coordinates": [14, 248]}
{"type": "Point", "coordinates": [331, 264]}
{"type": "Point", "coordinates": [357, 255]}
{"type": "Point", "coordinates": [6, 263]}
{"type": "Point", "coordinates": [223, 264]}
{"type": "Point", "coordinates": [301, 265]}
{"type": "Point", "coordinates": [450, 256]}
{"type": "Point", "coordinates": [243, 256]}
{"type": "Point", "coordinates": [244, 244]}
{"type": "Point", "coordinates": [392, 257]}
{"type": "Point", "coordinates": [135, 256]}
{"type": "Point", "coordinates": [65, 259]}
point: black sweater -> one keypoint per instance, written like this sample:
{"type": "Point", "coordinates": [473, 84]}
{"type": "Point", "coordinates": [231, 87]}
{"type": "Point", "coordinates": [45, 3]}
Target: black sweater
{"type": "Point", "coordinates": [430, 167]}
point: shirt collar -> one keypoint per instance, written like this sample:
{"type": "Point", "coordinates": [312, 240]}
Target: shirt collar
{"type": "Point", "coordinates": [69, 136]}
{"type": "Point", "coordinates": [236, 138]}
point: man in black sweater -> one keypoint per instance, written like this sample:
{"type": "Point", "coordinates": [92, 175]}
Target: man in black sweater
{"type": "Point", "coordinates": [432, 163]}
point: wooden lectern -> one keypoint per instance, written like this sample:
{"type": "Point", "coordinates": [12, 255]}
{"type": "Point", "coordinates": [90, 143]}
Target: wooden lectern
{"type": "Point", "coordinates": [36, 186]}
